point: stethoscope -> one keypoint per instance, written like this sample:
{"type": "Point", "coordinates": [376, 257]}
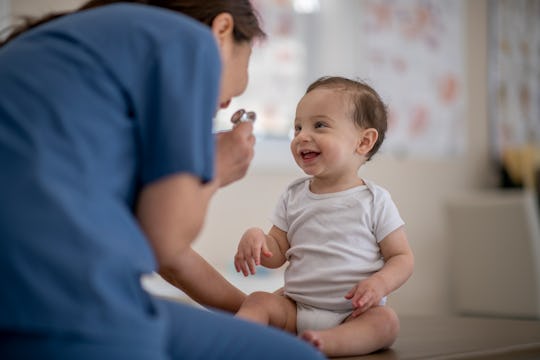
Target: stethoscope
{"type": "Point", "coordinates": [243, 116]}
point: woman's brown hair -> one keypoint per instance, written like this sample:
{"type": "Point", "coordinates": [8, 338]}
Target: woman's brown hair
{"type": "Point", "coordinates": [246, 20]}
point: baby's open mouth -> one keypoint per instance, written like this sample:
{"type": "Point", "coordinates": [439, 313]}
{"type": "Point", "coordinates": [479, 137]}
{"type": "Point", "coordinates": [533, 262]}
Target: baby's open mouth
{"type": "Point", "coordinates": [306, 155]}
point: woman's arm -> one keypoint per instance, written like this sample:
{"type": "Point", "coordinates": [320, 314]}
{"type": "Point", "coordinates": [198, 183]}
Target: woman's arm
{"type": "Point", "coordinates": [203, 283]}
{"type": "Point", "coordinates": [171, 212]}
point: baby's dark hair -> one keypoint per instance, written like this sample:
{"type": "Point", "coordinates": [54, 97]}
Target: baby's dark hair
{"type": "Point", "coordinates": [369, 111]}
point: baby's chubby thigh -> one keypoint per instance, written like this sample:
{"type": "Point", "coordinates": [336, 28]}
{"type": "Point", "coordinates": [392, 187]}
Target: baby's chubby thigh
{"type": "Point", "coordinates": [312, 318]}
{"type": "Point", "coordinates": [271, 309]}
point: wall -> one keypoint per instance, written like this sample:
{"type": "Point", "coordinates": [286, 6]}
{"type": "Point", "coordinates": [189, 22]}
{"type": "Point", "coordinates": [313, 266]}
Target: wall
{"type": "Point", "coordinates": [419, 187]}
{"type": "Point", "coordinates": [5, 12]}
{"type": "Point", "coordinates": [37, 8]}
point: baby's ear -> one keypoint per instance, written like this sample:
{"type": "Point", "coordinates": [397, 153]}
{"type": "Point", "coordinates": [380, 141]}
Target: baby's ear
{"type": "Point", "coordinates": [367, 139]}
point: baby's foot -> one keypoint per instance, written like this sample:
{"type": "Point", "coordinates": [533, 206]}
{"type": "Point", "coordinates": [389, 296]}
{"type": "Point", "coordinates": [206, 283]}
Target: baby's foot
{"type": "Point", "coordinates": [314, 338]}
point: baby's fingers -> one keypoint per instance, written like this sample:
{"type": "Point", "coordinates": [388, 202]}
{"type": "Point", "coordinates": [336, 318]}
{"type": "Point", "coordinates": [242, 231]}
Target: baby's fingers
{"type": "Point", "coordinates": [252, 258]}
{"type": "Point", "coordinates": [357, 312]}
{"type": "Point", "coordinates": [241, 264]}
{"type": "Point", "coordinates": [252, 264]}
{"type": "Point", "coordinates": [360, 298]}
{"type": "Point", "coordinates": [240, 267]}
{"type": "Point", "coordinates": [351, 293]}
{"type": "Point", "coordinates": [265, 251]}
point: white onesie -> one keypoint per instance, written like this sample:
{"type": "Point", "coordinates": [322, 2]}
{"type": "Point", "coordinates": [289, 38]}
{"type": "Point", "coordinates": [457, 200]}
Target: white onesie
{"type": "Point", "coordinates": [333, 242]}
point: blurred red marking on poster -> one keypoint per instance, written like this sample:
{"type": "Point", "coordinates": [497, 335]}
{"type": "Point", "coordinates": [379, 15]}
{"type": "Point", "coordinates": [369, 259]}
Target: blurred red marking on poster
{"type": "Point", "coordinates": [448, 89]}
{"type": "Point", "coordinates": [419, 120]}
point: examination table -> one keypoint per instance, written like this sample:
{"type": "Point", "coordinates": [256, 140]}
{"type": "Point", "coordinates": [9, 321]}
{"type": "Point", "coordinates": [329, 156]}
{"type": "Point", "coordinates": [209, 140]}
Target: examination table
{"type": "Point", "coordinates": [448, 338]}
{"type": "Point", "coordinates": [433, 337]}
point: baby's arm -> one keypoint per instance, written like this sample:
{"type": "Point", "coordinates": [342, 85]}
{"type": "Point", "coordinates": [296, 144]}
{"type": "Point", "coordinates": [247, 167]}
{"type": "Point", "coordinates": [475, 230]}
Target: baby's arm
{"type": "Point", "coordinates": [398, 267]}
{"type": "Point", "coordinates": [255, 242]}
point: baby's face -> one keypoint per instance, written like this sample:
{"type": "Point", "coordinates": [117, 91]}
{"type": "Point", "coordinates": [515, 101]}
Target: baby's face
{"type": "Point", "coordinates": [326, 138]}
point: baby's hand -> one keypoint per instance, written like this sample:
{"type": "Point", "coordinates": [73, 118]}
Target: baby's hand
{"type": "Point", "coordinates": [366, 294]}
{"type": "Point", "coordinates": [250, 248]}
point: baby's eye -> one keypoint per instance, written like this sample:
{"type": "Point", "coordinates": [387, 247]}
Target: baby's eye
{"type": "Point", "coordinates": [319, 124]}
{"type": "Point", "coordinates": [297, 129]}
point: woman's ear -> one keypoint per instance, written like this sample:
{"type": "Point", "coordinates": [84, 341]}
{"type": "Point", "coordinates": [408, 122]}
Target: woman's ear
{"type": "Point", "coordinates": [367, 140]}
{"type": "Point", "coordinates": [222, 27]}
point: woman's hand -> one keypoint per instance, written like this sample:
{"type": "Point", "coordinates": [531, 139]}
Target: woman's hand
{"type": "Point", "coordinates": [234, 152]}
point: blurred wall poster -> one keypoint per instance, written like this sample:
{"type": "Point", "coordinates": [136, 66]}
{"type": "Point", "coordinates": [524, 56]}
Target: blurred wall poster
{"type": "Point", "coordinates": [277, 72]}
{"type": "Point", "coordinates": [410, 51]}
{"type": "Point", "coordinates": [514, 83]}
{"type": "Point", "coordinates": [415, 56]}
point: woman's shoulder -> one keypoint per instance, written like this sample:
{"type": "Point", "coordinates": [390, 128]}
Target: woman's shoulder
{"type": "Point", "coordinates": [124, 25]}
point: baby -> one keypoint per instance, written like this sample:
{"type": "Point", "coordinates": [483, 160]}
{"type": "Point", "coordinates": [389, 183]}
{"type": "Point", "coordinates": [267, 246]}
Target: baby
{"type": "Point", "coordinates": [342, 236]}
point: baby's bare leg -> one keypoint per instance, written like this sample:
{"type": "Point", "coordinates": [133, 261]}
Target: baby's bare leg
{"type": "Point", "coordinates": [375, 329]}
{"type": "Point", "coordinates": [269, 309]}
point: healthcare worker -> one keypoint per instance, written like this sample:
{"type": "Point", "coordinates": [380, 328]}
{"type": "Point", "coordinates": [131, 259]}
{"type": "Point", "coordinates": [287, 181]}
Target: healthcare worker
{"type": "Point", "coordinates": [108, 163]}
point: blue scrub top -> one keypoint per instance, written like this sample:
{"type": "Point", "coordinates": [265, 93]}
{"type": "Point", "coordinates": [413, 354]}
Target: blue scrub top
{"type": "Point", "coordinates": [94, 106]}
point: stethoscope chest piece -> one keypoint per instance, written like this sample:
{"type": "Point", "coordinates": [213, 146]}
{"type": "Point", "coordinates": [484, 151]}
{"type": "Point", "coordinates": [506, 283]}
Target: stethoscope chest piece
{"type": "Point", "coordinates": [243, 116]}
